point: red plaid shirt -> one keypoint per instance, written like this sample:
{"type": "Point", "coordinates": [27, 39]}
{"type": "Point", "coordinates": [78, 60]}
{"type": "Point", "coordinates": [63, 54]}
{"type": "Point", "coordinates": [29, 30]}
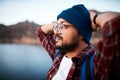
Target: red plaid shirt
{"type": "Point", "coordinates": [107, 65]}
{"type": "Point", "coordinates": [49, 44]}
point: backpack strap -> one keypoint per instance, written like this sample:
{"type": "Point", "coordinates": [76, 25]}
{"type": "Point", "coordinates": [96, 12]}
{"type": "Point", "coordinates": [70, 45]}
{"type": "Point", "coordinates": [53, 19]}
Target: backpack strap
{"type": "Point", "coordinates": [57, 52]}
{"type": "Point", "coordinates": [87, 72]}
{"type": "Point", "coordinates": [89, 67]}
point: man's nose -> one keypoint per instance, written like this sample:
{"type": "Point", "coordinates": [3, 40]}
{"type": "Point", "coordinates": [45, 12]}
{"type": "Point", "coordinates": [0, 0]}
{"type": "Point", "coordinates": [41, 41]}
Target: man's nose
{"type": "Point", "coordinates": [56, 31]}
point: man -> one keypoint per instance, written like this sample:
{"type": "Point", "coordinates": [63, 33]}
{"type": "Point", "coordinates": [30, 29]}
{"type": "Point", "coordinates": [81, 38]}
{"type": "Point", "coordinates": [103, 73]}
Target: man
{"type": "Point", "coordinates": [71, 39]}
{"type": "Point", "coordinates": [107, 65]}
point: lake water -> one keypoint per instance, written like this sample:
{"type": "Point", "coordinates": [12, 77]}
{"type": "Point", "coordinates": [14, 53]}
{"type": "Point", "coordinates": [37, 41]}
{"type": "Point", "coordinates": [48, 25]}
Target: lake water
{"type": "Point", "coordinates": [23, 62]}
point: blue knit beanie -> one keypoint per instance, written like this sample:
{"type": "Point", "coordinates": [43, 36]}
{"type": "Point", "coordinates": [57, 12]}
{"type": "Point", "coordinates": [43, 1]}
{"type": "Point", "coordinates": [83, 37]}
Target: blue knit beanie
{"type": "Point", "coordinates": [78, 16]}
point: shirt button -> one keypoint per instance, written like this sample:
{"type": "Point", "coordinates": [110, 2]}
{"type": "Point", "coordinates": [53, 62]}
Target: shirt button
{"type": "Point", "coordinates": [50, 76]}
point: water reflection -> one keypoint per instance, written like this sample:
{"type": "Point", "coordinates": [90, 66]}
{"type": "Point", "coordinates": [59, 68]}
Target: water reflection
{"type": "Point", "coordinates": [23, 62]}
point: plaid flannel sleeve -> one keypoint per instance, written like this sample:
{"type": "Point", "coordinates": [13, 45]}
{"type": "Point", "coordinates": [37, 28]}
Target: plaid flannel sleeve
{"type": "Point", "coordinates": [46, 41]}
{"type": "Point", "coordinates": [108, 65]}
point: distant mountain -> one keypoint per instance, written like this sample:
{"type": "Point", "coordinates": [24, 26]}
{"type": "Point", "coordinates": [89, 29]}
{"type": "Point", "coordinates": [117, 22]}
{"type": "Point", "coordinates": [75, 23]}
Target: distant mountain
{"type": "Point", "coordinates": [23, 32]}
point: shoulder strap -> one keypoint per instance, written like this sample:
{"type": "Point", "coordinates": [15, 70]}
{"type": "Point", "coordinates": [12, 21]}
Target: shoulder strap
{"type": "Point", "coordinates": [89, 67]}
{"type": "Point", "coordinates": [87, 72]}
{"type": "Point", "coordinates": [57, 52]}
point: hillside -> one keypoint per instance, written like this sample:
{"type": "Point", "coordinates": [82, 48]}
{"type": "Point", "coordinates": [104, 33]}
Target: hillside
{"type": "Point", "coordinates": [23, 32]}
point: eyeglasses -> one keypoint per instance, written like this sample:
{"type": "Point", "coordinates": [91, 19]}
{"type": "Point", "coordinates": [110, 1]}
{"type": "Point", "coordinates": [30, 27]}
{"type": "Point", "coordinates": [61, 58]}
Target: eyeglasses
{"type": "Point", "coordinates": [59, 27]}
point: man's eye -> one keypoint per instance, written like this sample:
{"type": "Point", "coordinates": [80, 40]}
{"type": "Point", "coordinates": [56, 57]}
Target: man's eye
{"type": "Point", "coordinates": [65, 26]}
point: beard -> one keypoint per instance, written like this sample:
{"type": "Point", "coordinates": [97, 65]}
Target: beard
{"type": "Point", "coordinates": [69, 47]}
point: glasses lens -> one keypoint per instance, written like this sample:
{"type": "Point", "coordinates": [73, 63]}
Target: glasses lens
{"type": "Point", "coordinates": [58, 27]}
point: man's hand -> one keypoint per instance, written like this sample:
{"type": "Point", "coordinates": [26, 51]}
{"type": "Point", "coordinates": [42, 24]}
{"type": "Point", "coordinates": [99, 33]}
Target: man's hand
{"type": "Point", "coordinates": [48, 28]}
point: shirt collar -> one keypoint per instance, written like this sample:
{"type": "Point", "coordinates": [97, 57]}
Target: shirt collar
{"type": "Point", "coordinates": [80, 58]}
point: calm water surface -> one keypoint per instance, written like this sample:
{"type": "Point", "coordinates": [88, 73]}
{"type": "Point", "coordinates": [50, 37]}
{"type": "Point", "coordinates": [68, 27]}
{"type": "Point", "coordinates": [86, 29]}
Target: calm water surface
{"type": "Point", "coordinates": [23, 62]}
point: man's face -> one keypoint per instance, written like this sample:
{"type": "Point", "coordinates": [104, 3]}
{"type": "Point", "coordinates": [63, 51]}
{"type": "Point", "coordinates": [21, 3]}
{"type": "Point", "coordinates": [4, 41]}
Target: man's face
{"type": "Point", "coordinates": [67, 36]}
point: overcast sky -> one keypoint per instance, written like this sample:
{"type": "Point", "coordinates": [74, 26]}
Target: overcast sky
{"type": "Point", "coordinates": [45, 11]}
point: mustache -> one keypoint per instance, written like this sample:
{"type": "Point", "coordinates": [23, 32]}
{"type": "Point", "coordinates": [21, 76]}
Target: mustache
{"type": "Point", "coordinates": [57, 35]}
